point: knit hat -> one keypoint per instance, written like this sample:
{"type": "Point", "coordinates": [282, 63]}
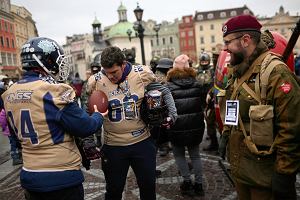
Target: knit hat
{"type": "Point", "coordinates": [241, 23]}
{"type": "Point", "coordinates": [181, 62]}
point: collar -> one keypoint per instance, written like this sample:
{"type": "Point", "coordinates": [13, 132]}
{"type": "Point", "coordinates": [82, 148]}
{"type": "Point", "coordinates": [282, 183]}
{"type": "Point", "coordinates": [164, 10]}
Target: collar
{"type": "Point", "coordinates": [127, 70]}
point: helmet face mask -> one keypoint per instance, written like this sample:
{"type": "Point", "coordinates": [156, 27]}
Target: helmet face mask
{"type": "Point", "coordinates": [204, 59]}
{"type": "Point", "coordinates": [46, 54]}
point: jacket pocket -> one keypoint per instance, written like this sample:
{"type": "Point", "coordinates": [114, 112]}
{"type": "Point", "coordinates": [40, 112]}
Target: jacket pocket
{"type": "Point", "coordinates": [261, 124]}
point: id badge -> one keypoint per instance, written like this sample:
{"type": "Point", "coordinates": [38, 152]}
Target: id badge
{"type": "Point", "coordinates": [232, 112]}
{"type": "Point", "coordinates": [129, 108]}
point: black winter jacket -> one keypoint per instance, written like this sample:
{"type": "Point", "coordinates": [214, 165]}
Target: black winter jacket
{"type": "Point", "coordinates": [189, 99]}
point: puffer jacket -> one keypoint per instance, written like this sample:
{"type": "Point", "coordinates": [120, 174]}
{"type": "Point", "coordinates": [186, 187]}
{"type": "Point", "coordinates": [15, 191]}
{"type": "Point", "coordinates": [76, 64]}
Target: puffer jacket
{"type": "Point", "coordinates": [189, 99]}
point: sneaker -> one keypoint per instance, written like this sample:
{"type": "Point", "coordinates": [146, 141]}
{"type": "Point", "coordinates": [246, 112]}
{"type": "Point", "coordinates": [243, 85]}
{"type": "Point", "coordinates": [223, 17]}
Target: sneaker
{"type": "Point", "coordinates": [17, 161]}
{"type": "Point", "coordinates": [198, 189]}
{"type": "Point", "coordinates": [186, 188]}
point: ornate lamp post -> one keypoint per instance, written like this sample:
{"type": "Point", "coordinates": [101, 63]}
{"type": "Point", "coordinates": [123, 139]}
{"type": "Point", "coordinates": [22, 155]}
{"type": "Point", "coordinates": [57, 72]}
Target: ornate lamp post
{"type": "Point", "coordinates": [129, 32]}
{"type": "Point", "coordinates": [138, 27]}
{"type": "Point", "coordinates": [156, 28]}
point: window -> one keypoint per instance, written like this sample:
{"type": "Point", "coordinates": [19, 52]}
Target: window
{"type": "Point", "coordinates": [12, 43]}
{"type": "Point", "coordinates": [212, 27]}
{"type": "Point", "coordinates": [233, 13]}
{"type": "Point", "coordinates": [0, 26]}
{"type": "Point", "coordinates": [191, 33]}
{"type": "Point", "coordinates": [191, 42]}
{"type": "Point", "coordinates": [182, 34]}
{"type": "Point", "coordinates": [213, 39]}
{"type": "Point", "coordinates": [171, 40]}
{"type": "Point", "coordinates": [2, 41]}
{"type": "Point", "coordinates": [223, 14]}
{"type": "Point", "coordinates": [11, 28]}
{"type": "Point", "coordinates": [200, 17]}
{"type": "Point", "coordinates": [210, 16]}
{"type": "Point", "coordinates": [4, 59]}
{"type": "Point", "coordinates": [5, 26]}
{"type": "Point", "coordinates": [9, 59]}
{"type": "Point", "coordinates": [164, 41]}
{"type": "Point", "coordinates": [151, 43]}
{"type": "Point", "coordinates": [213, 49]}
{"type": "Point", "coordinates": [187, 20]}
{"type": "Point", "coordinates": [201, 40]}
{"type": "Point", "coordinates": [14, 59]}
{"type": "Point", "coordinates": [7, 42]}
{"type": "Point", "coordinates": [201, 28]}
{"type": "Point", "coordinates": [246, 12]}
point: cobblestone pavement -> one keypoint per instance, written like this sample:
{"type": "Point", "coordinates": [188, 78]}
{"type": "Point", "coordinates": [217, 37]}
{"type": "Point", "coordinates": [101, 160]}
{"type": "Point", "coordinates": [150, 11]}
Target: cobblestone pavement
{"type": "Point", "coordinates": [216, 184]}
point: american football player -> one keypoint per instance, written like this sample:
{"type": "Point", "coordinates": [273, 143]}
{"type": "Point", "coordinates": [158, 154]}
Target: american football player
{"type": "Point", "coordinates": [42, 113]}
{"type": "Point", "coordinates": [127, 140]}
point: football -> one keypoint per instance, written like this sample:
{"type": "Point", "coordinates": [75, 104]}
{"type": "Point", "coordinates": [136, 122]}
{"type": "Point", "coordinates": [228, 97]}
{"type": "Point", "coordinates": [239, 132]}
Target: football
{"type": "Point", "coordinates": [99, 99]}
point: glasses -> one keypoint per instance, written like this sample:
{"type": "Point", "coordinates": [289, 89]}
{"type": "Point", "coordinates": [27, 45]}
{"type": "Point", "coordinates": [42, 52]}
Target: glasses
{"type": "Point", "coordinates": [229, 41]}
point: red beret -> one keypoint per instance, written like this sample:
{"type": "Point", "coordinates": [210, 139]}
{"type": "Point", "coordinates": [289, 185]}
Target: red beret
{"type": "Point", "coordinates": [241, 23]}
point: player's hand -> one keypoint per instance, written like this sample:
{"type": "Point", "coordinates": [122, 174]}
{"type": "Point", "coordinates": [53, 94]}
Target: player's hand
{"type": "Point", "coordinates": [168, 122]}
{"type": "Point", "coordinates": [103, 114]}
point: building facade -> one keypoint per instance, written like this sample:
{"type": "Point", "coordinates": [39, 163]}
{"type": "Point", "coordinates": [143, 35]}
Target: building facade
{"type": "Point", "coordinates": [208, 28]}
{"type": "Point", "coordinates": [8, 49]}
{"type": "Point", "coordinates": [187, 43]}
{"type": "Point", "coordinates": [165, 43]}
{"type": "Point", "coordinates": [283, 23]}
{"type": "Point", "coordinates": [24, 27]}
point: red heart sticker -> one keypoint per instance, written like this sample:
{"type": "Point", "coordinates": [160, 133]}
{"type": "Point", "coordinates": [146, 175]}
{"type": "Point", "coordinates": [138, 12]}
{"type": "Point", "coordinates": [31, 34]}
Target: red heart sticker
{"type": "Point", "coordinates": [286, 87]}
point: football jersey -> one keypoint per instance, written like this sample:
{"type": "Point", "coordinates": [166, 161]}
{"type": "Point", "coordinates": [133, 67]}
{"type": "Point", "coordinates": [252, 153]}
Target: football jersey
{"type": "Point", "coordinates": [123, 125]}
{"type": "Point", "coordinates": [32, 106]}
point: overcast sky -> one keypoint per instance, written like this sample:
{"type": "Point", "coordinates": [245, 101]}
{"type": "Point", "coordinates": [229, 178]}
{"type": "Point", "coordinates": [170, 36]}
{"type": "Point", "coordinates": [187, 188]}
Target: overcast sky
{"type": "Point", "coordinates": [57, 19]}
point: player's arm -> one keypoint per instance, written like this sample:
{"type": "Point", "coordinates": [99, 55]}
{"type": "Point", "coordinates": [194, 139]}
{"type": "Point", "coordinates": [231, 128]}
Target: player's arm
{"type": "Point", "coordinates": [77, 122]}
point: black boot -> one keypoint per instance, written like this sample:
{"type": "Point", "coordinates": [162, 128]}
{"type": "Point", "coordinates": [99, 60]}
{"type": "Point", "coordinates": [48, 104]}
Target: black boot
{"type": "Point", "coordinates": [198, 189]}
{"type": "Point", "coordinates": [186, 188]}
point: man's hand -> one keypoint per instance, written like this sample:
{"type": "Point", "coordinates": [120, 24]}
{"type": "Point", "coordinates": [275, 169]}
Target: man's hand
{"type": "Point", "coordinates": [103, 114]}
{"type": "Point", "coordinates": [168, 122]}
{"type": "Point", "coordinates": [223, 143]}
{"type": "Point", "coordinates": [283, 186]}
{"type": "Point", "coordinates": [91, 153]}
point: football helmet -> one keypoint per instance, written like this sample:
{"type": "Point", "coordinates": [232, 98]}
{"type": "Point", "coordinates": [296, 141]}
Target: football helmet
{"type": "Point", "coordinates": [95, 67]}
{"type": "Point", "coordinates": [47, 54]}
{"type": "Point", "coordinates": [204, 59]}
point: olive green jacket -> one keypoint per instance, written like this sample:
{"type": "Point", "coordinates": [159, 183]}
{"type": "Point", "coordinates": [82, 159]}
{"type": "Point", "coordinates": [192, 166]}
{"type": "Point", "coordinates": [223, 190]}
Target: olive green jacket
{"type": "Point", "coordinates": [283, 92]}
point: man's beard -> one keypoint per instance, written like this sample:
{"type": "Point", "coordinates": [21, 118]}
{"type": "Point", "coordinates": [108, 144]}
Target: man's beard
{"type": "Point", "coordinates": [236, 58]}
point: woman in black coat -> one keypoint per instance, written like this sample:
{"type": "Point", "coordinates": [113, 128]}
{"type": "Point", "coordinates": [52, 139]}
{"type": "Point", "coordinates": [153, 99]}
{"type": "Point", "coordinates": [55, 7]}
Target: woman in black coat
{"type": "Point", "coordinates": [187, 132]}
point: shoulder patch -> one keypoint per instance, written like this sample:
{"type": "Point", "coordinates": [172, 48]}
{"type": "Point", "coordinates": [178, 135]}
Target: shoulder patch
{"type": "Point", "coordinates": [138, 68]}
{"type": "Point", "coordinates": [67, 96]}
{"type": "Point", "coordinates": [286, 87]}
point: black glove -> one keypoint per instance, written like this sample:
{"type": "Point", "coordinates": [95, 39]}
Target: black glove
{"type": "Point", "coordinates": [90, 148]}
{"type": "Point", "coordinates": [223, 143]}
{"type": "Point", "coordinates": [283, 186]}
{"type": "Point", "coordinates": [167, 123]}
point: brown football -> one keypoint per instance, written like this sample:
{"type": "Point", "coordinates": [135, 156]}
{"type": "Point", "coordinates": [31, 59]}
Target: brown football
{"type": "Point", "coordinates": [99, 99]}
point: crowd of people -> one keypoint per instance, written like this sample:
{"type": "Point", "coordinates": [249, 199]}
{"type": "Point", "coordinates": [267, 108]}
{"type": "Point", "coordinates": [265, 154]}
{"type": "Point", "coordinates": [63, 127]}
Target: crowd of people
{"type": "Point", "coordinates": [158, 108]}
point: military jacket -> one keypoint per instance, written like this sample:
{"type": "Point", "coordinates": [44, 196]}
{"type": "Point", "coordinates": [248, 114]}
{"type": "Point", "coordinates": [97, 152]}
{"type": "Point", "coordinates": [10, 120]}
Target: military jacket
{"type": "Point", "coordinates": [283, 93]}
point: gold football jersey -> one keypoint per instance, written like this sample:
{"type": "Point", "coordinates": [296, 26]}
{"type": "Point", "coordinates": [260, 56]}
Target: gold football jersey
{"type": "Point", "coordinates": [123, 125]}
{"type": "Point", "coordinates": [32, 107]}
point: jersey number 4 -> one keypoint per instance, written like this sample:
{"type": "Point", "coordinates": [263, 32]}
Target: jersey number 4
{"type": "Point", "coordinates": [26, 129]}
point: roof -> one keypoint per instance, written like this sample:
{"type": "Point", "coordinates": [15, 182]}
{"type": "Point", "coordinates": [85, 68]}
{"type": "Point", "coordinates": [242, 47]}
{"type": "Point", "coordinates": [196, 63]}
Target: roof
{"type": "Point", "coordinates": [120, 29]}
{"type": "Point", "coordinates": [222, 14]}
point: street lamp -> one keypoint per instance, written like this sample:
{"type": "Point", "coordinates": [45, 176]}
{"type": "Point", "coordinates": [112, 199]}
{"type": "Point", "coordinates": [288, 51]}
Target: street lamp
{"type": "Point", "coordinates": [129, 32]}
{"type": "Point", "coordinates": [156, 28]}
{"type": "Point", "coordinates": [138, 12]}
